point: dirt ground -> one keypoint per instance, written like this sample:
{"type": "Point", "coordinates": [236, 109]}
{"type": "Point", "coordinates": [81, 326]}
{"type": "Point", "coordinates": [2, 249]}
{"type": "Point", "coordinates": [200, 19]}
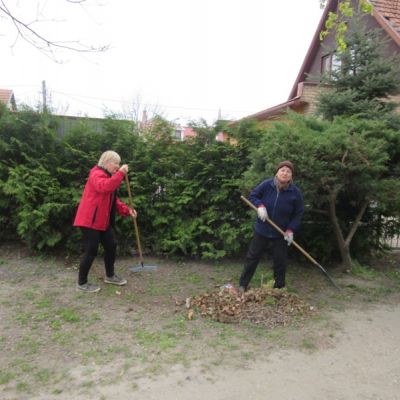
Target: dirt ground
{"type": "Point", "coordinates": [362, 363]}
{"type": "Point", "coordinates": [136, 342]}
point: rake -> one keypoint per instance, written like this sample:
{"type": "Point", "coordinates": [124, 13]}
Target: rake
{"type": "Point", "coordinates": [142, 266]}
{"type": "Point", "coordinates": [295, 244]}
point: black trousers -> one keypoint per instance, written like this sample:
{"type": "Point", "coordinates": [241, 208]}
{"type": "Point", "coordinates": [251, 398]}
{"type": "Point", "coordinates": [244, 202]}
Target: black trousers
{"type": "Point", "coordinates": [256, 249]}
{"type": "Point", "coordinates": [91, 240]}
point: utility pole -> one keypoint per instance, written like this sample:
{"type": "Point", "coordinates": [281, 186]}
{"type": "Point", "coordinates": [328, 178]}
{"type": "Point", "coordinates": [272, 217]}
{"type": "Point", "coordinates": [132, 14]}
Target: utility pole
{"type": "Point", "coordinates": [44, 96]}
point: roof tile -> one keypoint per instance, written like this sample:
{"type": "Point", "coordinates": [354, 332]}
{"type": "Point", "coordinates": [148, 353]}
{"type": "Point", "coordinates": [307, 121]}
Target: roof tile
{"type": "Point", "coordinates": [5, 96]}
{"type": "Point", "coordinates": [390, 10]}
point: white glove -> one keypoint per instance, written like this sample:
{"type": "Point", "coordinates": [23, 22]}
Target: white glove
{"type": "Point", "coordinates": [262, 213]}
{"type": "Point", "coordinates": [288, 237]}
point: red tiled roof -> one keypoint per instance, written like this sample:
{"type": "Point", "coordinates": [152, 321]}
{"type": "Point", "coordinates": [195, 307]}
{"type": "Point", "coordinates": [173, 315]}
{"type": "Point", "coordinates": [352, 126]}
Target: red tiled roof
{"type": "Point", "coordinates": [390, 11]}
{"type": "Point", "coordinates": [5, 96]}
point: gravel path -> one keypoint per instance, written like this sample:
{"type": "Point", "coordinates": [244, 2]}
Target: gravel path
{"type": "Point", "coordinates": [363, 363]}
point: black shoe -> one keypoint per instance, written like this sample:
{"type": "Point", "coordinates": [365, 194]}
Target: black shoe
{"type": "Point", "coordinates": [276, 286]}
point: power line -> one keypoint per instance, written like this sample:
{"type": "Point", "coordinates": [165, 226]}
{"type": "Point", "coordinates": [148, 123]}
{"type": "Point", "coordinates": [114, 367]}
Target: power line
{"type": "Point", "coordinates": [148, 104]}
{"type": "Point", "coordinates": [78, 98]}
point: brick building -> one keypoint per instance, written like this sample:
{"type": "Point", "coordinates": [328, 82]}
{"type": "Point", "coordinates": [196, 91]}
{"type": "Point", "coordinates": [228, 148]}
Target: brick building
{"type": "Point", "coordinates": [319, 59]}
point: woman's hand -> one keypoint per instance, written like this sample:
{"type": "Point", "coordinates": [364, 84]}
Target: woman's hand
{"type": "Point", "coordinates": [262, 213]}
{"type": "Point", "coordinates": [132, 212]}
{"type": "Point", "coordinates": [288, 237]}
{"type": "Point", "coordinates": [124, 168]}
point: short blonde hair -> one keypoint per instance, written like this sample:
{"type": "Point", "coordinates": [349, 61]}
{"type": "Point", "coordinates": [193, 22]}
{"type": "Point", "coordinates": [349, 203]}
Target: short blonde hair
{"type": "Point", "coordinates": [108, 156]}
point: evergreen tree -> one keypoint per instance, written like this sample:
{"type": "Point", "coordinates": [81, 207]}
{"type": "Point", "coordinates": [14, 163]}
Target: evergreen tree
{"type": "Point", "coordinates": [364, 78]}
{"type": "Point", "coordinates": [359, 90]}
{"type": "Point", "coordinates": [343, 169]}
{"type": "Point", "coordinates": [348, 162]}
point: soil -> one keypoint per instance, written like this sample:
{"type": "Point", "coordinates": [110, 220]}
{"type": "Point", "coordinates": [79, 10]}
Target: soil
{"type": "Point", "coordinates": [137, 341]}
{"type": "Point", "coordinates": [362, 362]}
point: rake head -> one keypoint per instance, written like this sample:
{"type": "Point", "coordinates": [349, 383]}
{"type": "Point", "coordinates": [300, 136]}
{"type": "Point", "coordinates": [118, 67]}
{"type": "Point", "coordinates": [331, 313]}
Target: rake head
{"type": "Point", "coordinates": [142, 268]}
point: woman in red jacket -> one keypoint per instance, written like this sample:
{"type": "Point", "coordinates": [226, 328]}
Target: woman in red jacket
{"type": "Point", "coordinates": [96, 216]}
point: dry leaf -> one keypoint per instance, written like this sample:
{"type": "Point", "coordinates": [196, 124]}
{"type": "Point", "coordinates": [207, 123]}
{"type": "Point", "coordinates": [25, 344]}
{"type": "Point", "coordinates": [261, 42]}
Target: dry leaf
{"type": "Point", "coordinates": [188, 302]}
{"type": "Point", "coordinates": [177, 301]}
{"type": "Point", "coordinates": [266, 306]}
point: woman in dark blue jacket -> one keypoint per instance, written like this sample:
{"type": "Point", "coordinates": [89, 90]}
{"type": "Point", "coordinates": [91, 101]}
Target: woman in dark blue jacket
{"type": "Point", "coordinates": [281, 201]}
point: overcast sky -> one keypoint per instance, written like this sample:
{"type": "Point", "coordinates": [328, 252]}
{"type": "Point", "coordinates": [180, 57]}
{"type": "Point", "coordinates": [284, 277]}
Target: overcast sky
{"type": "Point", "coordinates": [185, 58]}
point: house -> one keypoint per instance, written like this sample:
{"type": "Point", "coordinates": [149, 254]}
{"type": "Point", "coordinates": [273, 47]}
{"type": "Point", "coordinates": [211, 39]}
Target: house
{"type": "Point", "coordinates": [183, 133]}
{"type": "Point", "coordinates": [302, 97]}
{"type": "Point", "coordinates": [65, 123]}
{"type": "Point", "coordinates": [7, 98]}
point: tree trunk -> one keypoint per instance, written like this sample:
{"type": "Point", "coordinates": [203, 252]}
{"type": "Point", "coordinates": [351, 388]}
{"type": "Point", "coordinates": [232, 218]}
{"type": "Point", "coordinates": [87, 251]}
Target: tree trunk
{"type": "Point", "coordinates": [347, 261]}
{"type": "Point", "coordinates": [344, 249]}
{"type": "Point", "coordinates": [344, 243]}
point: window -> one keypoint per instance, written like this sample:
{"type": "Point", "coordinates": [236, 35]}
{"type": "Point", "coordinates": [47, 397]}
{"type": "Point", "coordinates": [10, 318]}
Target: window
{"type": "Point", "coordinates": [326, 62]}
{"type": "Point", "coordinates": [178, 134]}
{"type": "Point", "coordinates": [336, 62]}
{"type": "Point", "coordinates": [330, 63]}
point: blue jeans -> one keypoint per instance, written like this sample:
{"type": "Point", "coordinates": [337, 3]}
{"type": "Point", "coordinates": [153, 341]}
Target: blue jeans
{"type": "Point", "coordinates": [256, 249]}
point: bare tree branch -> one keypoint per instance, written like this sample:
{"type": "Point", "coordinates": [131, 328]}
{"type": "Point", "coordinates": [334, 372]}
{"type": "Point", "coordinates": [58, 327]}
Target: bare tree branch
{"type": "Point", "coordinates": [46, 45]}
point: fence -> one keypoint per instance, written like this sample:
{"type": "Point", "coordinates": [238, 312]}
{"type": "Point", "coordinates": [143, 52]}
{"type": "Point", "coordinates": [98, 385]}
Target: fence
{"type": "Point", "coordinates": [393, 242]}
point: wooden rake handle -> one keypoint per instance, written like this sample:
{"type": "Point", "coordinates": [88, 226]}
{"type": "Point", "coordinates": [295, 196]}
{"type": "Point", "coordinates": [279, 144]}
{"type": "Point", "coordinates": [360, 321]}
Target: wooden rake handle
{"type": "Point", "coordinates": [139, 246]}
{"type": "Point", "coordinates": [279, 230]}
{"type": "Point", "coordinates": [294, 243]}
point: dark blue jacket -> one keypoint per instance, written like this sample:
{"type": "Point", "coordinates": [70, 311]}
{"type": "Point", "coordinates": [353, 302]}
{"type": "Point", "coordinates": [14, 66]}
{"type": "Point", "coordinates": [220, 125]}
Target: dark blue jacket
{"type": "Point", "coordinates": [284, 207]}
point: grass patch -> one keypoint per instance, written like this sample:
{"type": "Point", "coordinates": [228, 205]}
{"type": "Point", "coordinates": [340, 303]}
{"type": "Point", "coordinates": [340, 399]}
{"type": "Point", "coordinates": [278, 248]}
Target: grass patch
{"type": "Point", "coordinates": [63, 338]}
{"type": "Point", "coordinates": [29, 295]}
{"type": "Point", "coordinates": [88, 384]}
{"type": "Point", "coordinates": [55, 324]}
{"type": "Point", "coordinates": [195, 279]}
{"type": "Point", "coordinates": [308, 344]}
{"type": "Point", "coordinates": [116, 350]}
{"type": "Point", "coordinates": [157, 341]}
{"type": "Point", "coordinates": [364, 272]}
{"type": "Point", "coordinates": [395, 275]}
{"type": "Point", "coordinates": [91, 354]}
{"type": "Point", "coordinates": [43, 376]}
{"type": "Point", "coordinates": [247, 355]}
{"type": "Point", "coordinates": [43, 303]}
{"type": "Point", "coordinates": [177, 324]}
{"type": "Point", "coordinates": [6, 377]}
{"type": "Point", "coordinates": [23, 317]}
{"type": "Point", "coordinates": [158, 288]}
{"type": "Point", "coordinates": [28, 345]}
{"type": "Point", "coordinates": [23, 366]}
{"type": "Point", "coordinates": [180, 357]}
{"type": "Point", "coordinates": [277, 336]}
{"type": "Point", "coordinates": [270, 301]}
{"type": "Point", "coordinates": [68, 315]}
{"type": "Point", "coordinates": [23, 386]}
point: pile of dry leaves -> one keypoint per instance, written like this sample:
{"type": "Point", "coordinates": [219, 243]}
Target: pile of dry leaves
{"type": "Point", "coordinates": [264, 306]}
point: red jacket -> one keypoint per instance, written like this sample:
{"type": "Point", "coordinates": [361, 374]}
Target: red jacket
{"type": "Point", "coordinates": [95, 206]}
